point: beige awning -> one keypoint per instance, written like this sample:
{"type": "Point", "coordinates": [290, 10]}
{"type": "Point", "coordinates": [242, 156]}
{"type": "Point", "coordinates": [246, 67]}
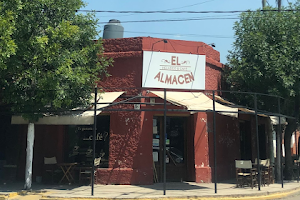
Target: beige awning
{"type": "Point", "coordinates": [196, 101]}
{"type": "Point", "coordinates": [274, 119]}
{"type": "Point", "coordinates": [83, 118]}
{"type": "Point", "coordinates": [246, 110]}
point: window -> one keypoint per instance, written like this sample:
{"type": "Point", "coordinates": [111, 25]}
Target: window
{"type": "Point", "coordinates": [81, 142]}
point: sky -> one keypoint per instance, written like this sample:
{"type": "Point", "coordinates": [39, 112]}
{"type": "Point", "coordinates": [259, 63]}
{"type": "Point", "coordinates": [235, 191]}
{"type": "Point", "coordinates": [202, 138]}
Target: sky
{"type": "Point", "coordinates": [209, 28]}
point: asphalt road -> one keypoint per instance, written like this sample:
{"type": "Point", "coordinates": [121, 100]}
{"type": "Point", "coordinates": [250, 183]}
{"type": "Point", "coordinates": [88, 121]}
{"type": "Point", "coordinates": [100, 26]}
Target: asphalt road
{"type": "Point", "coordinates": [295, 196]}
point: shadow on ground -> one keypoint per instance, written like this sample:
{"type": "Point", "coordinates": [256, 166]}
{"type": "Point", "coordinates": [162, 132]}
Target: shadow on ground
{"type": "Point", "coordinates": [18, 186]}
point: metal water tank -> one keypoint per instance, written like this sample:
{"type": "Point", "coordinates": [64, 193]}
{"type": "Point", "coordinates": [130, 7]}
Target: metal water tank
{"type": "Point", "coordinates": [113, 29]}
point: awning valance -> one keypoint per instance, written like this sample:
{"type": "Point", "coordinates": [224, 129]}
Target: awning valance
{"type": "Point", "coordinates": [82, 118]}
{"type": "Point", "coordinates": [275, 120]}
{"type": "Point", "coordinates": [196, 101]}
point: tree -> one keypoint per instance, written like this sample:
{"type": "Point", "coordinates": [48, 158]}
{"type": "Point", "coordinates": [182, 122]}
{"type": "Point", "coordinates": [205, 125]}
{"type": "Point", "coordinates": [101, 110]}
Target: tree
{"type": "Point", "coordinates": [266, 59]}
{"type": "Point", "coordinates": [51, 59]}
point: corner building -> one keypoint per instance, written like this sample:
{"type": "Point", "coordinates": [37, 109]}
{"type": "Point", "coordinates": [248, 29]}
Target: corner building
{"type": "Point", "coordinates": [135, 155]}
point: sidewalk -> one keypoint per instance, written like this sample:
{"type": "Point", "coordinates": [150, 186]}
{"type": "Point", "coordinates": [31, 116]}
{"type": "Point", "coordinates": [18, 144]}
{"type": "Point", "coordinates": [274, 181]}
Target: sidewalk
{"type": "Point", "coordinates": [185, 190]}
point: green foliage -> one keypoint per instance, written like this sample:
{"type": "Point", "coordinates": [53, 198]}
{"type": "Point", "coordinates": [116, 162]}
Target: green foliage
{"type": "Point", "coordinates": [7, 26]}
{"type": "Point", "coordinates": [50, 55]}
{"type": "Point", "coordinates": [266, 54]}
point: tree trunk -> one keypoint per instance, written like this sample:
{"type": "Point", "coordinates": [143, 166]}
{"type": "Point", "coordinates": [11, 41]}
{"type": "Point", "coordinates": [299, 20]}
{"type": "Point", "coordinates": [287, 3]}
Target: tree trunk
{"type": "Point", "coordinates": [288, 170]}
{"type": "Point", "coordinates": [29, 156]}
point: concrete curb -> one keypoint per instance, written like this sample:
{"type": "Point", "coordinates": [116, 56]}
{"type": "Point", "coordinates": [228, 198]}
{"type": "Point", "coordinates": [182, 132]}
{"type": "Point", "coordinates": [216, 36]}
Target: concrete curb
{"type": "Point", "coordinates": [14, 194]}
{"type": "Point", "coordinates": [265, 195]}
{"type": "Point", "coordinates": [7, 196]}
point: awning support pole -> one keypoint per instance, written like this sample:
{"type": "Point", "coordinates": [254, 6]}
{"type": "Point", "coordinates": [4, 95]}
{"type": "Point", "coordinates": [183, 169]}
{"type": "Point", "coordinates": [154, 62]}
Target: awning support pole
{"type": "Point", "coordinates": [297, 153]}
{"type": "Point", "coordinates": [257, 143]}
{"type": "Point", "coordinates": [94, 141]}
{"type": "Point", "coordinates": [215, 142]}
{"type": "Point", "coordinates": [280, 136]}
{"type": "Point", "coordinates": [164, 138]}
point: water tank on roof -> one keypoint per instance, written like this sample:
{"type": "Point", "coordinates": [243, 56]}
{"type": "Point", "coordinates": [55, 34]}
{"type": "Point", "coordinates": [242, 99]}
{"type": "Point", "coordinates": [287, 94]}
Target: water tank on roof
{"type": "Point", "coordinates": [113, 29]}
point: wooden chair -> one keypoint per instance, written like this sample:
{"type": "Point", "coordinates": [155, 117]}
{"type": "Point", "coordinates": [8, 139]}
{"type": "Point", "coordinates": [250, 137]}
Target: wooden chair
{"type": "Point", "coordinates": [50, 167]}
{"type": "Point", "coordinates": [296, 168]}
{"type": "Point", "coordinates": [85, 173]}
{"type": "Point", "coordinates": [245, 174]}
{"type": "Point", "coordinates": [266, 171]}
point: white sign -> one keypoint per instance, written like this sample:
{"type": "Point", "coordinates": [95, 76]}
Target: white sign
{"type": "Point", "coordinates": [173, 70]}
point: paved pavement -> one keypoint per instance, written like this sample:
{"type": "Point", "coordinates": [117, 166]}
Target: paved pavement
{"type": "Point", "coordinates": [185, 190]}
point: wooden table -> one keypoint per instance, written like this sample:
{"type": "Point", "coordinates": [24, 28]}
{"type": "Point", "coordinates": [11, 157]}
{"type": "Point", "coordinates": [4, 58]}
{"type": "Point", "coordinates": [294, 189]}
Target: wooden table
{"type": "Point", "coordinates": [67, 169]}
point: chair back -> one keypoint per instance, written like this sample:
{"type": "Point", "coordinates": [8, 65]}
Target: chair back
{"type": "Point", "coordinates": [265, 163]}
{"type": "Point", "coordinates": [50, 161]}
{"type": "Point", "coordinates": [243, 164]}
{"type": "Point", "coordinates": [97, 161]}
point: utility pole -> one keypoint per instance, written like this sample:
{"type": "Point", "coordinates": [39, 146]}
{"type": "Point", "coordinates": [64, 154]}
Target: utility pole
{"type": "Point", "coordinates": [263, 4]}
{"type": "Point", "coordinates": [279, 5]}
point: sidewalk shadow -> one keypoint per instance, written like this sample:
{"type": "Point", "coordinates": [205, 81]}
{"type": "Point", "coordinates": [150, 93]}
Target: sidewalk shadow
{"type": "Point", "coordinates": [18, 186]}
{"type": "Point", "coordinates": [174, 186]}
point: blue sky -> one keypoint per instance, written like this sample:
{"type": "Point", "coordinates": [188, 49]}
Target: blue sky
{"type": "Point", "coordinates": [212, 28]}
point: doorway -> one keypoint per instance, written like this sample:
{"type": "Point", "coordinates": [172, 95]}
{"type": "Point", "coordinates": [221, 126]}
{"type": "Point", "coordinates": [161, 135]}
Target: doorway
{"type": "Point", "coordinates": [176, 163]}
{"type": "Point", "coordinates": [245, 140]}
{"type": "Point", "coordinates": [262, 142]}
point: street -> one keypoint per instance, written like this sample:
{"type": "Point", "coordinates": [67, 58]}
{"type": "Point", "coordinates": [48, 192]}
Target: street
{"type": "Point", "coordinates": [295, 196]}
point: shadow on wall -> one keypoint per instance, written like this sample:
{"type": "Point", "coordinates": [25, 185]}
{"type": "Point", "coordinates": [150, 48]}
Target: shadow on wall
{"type": "Point", "coordinates": [227, 146]}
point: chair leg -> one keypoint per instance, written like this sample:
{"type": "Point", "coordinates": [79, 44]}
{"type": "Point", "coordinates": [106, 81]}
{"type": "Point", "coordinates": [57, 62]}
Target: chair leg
{"type": "Point", "coordinates": [79, 181]}
{"type": "Point", "coordinates": [239, 181]}
{"type": "Point", "coordinates": [91, 177]}
{"type": "Point", "coordinates": [52, 177]}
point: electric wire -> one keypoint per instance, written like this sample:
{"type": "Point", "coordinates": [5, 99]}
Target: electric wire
{"type": "Point", "coordinates": [190, 5]}
{"type": "Point", "coordinates": [178, 34]}
{"type": "Point", "coordinates": [167, 9]}
{"type": "Point", "coordinates": [186, 19]}
{"type": "Point", "coordinates": [186, 12]}
{"type": "Point", "coordinates": [174, 20]}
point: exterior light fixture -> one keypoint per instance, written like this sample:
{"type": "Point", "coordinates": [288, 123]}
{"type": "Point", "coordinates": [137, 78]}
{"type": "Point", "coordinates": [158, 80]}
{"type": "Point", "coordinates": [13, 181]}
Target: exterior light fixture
{"type": "Point", "coordinates": [212, 44]}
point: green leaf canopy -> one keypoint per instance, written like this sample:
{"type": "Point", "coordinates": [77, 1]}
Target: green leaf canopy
{"type": "Point", "coordinates": [266, 54]}
{"type": "Point", "coordinates": [51, 57]}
